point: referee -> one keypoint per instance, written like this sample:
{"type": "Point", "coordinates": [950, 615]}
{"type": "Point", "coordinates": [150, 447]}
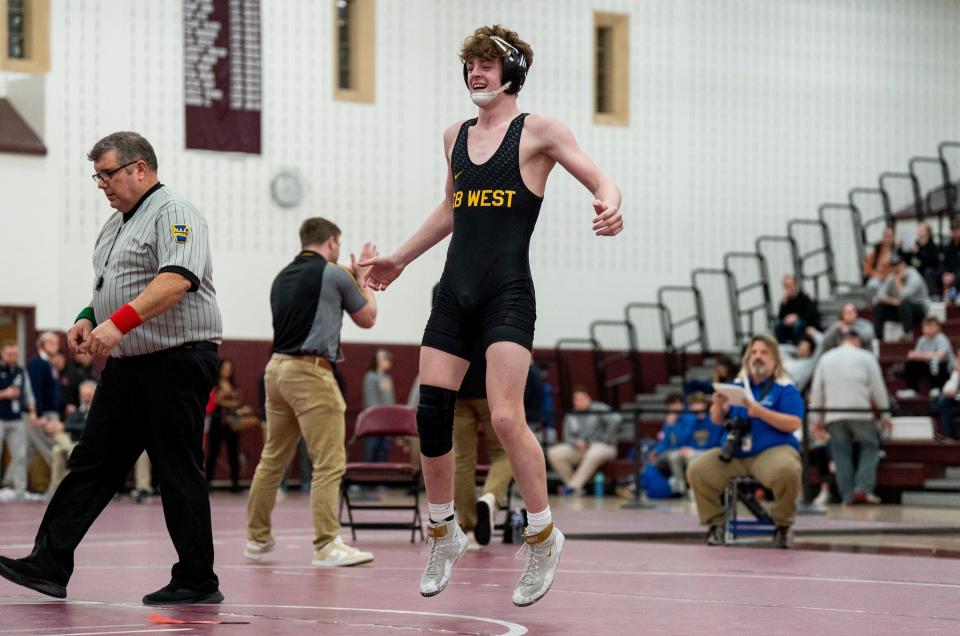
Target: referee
{"type": "Point", "coordinates": [154, 313]}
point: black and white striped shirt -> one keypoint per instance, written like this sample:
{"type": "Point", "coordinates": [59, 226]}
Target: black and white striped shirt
{"type": "Point", "coordinates": [162, 233]}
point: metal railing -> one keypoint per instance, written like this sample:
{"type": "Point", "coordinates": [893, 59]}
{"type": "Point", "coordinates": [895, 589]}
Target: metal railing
{"type": "Point", "coordinates": [765, 304]}
{"type": "Point", "coordinates": [825, 249]}
{"type": "Point", "coordinates": [663, 315]}
{"type": "Point", "coordinates": [564, 379]}
{"type": "Point", "coordinates": [914, 184]}
{"type": "Point", "coordinates": [731, 295]}
{"type": "Point", "coordinates": [947, 179]}
{"type": "Point", "coordinates": [859, 247]}
{"type": "Point", "coordinates": [677, 362]}
{"type": "Point", "coordinates": [625, 363]}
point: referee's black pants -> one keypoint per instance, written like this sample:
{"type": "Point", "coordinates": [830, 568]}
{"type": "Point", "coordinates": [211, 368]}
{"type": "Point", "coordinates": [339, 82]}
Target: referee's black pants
{"type": "Point", "coordinates": [156, 403]}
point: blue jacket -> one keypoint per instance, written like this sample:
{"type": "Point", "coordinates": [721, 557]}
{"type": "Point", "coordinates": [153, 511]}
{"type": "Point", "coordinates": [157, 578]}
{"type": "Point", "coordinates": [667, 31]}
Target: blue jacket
{"type": "Point", "coordinates": [783, 397]}
{"type": "Point", "coordinates": [702, 433]}
{"type": "Point", "coordinates": [46, 388]}
{"type": "Point", "coordinates": [673, 436]}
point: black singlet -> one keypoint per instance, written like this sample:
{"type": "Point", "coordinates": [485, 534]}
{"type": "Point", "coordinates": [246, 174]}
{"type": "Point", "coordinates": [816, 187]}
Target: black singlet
{"type": "Point", "coordinates": [486, 292]}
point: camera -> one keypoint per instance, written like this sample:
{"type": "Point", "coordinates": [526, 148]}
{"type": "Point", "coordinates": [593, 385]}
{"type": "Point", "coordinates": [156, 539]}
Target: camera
{"type": "Point", "coordinates": [736, 428]}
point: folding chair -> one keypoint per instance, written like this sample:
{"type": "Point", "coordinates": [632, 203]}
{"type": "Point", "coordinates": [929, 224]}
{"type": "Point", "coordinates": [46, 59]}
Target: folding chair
{"type": "Point", "coordinates": [392, 421]}
{"type": "Point", "coordinates": [742, 490]}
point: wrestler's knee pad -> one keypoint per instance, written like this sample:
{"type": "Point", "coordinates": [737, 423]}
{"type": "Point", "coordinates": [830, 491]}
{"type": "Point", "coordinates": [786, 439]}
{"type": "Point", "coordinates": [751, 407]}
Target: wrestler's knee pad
{"type": "Point", "coordinates": [435, 420]}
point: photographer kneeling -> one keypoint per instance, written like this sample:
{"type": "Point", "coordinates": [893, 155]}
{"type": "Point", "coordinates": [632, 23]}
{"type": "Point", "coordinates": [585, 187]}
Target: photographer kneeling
{"type": "Point", "coordinates": [759, 442]}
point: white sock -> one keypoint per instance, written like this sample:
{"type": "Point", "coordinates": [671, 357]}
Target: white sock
{"type": "Point", "coordinates": [440, 512]}
{"type": "Point", "coordinates": [537, 521]}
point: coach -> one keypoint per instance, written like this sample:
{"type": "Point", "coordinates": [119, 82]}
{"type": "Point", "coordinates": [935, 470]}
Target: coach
{"type": "Point", "coordinates": [154, 313]}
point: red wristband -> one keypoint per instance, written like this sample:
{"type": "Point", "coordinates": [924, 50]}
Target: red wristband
{"type": "Point", "coordinates": [126, 319]}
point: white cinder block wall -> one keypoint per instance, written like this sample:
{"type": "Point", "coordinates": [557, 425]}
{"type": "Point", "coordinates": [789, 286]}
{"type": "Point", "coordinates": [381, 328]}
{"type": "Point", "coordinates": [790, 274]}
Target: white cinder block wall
{"type": "Point", "coordinates": [744, 113]}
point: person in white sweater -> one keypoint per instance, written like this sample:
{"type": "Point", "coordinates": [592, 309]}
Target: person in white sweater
{"type": "Point", "coordinates": [850, 377]}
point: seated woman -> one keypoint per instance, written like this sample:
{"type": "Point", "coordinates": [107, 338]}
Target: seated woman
{"type": "Point", "coordinates": [590, 435]}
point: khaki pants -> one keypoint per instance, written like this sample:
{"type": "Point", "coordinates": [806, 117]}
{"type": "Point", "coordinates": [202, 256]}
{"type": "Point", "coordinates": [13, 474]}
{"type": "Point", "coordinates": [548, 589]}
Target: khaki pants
{"type": "Point", "coordinates": [142, 470]}
{"type": "Point", "coordinates": [59, 456]}
{"type": "Point", "coordinates": [565, 457]}
{"type": "Point", "coordinates": [469, 418]}
{"type": "Point", "coordinates": [777, 468]}
{"type": "Point", "coordinates": [302, 399]}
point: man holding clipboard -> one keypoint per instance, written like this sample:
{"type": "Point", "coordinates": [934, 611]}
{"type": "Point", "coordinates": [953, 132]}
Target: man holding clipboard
{"type": "Point", "coordinates": [769, 408]}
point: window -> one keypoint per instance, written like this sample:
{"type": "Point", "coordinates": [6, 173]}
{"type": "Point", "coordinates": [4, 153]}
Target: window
{"type": "Point", "coordinates": [25, 35]}
{"type": "Point", "coordinates": [353, 50]}
{"type": "Point", "coordinates": [611, 72]}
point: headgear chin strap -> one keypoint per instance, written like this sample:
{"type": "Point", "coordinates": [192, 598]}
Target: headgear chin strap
{"type": "Point", "coordinates": [512, 74]}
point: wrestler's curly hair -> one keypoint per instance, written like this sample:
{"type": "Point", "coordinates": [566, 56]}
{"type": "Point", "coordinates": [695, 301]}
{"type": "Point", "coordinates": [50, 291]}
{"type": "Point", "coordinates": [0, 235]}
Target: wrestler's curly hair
{"type": "Point", "coordinates": [479, 45]}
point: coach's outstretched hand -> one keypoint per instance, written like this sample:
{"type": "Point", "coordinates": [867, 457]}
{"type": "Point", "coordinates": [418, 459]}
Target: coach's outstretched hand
{"type": "Point", "coordinates": [608, 220]}
{"type": "Point", "coordinates": [381, 271]}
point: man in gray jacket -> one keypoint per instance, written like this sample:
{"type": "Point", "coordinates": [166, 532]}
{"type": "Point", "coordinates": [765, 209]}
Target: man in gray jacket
{"type": "Point", "coordinates": [903, 296]}
{"type": "Point", "coordinates": [590, 432]}
{"type": "Point", "coordinates": [850, 377]}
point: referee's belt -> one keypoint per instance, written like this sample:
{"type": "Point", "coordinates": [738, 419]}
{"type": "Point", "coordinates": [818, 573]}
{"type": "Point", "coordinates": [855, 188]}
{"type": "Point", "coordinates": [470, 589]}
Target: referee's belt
{"type": "Point", "coordinates": [312, 359]}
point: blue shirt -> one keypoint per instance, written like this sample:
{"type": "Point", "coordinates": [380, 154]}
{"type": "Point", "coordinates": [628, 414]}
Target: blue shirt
{"type": "Point", "coordinates": [702, 433]}
{"type": "Point", "coordinates": [673, 436]}
{"type": "Point", "coordinates": [782, 397]}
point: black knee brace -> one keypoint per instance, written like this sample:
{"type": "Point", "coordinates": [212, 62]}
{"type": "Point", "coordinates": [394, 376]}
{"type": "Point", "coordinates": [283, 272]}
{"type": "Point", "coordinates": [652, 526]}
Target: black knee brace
{"type": "Point", "coordinates": [435, 420]}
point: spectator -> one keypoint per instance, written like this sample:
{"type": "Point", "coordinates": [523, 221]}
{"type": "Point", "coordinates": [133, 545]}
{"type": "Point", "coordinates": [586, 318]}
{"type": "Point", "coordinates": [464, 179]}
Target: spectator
{"type": "Point", "coordinates": [946, 404]}
{"type": "Point", "coordinates": [687, 437]}
{"type": "Point", "coordinates": [799, 366]}
{"type": "Point", "coordinates": [533, 404]}
{"type": "Point", "coordinates": [849, 377]}
{"type": "Point", "coordinates": [930, 359]}
{"type": "Point", "coordinates": [877, 266]}
{"type": "Point", "coordinates": [724, 371]}
{"type": "Point", "coordinates": [590, 435]}
{"type": "Point", "coordinates": [66, 435]}
{"type": "Point", "coordinates": [378, 391]}
{"type": "Point", "coordinates": [797, 312]}
{"type": "Point", "coordinates": [924, 256]}
{"type": "Point", "coordinates": [77, 371]}
{"type": "Point", "coordinates": [225, 398]}
{"type": "Point", "coordinates": [849, 318]}
{"type": "Point", "coordinates": [665, 454]}
{"type": "Point", "coordinates": [16, 406]}
{"type": "Point", "coordinates": [547, 407]}
{"type": "Point", "coordinates": [43, 377]}
{"type": "Point", "coordinates": [902, 296]}
{"type": "Point", "coordinates": [142, 479]}
{"type": "Point", "coordinates": [768, 451]}
{"type": "Point", "coordinates": [950, 267]}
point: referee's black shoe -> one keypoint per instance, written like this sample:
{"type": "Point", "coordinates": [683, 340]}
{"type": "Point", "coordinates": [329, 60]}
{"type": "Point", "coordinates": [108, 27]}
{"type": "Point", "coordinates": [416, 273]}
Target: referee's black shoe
{"type": "Point", "coordinates": [22, 572]}
{"type": "Point", "coordinates": [171, 595]}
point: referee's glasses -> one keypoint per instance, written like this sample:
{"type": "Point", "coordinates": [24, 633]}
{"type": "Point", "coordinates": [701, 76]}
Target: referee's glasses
{"type": "Point", "coordinates": [106, 175]}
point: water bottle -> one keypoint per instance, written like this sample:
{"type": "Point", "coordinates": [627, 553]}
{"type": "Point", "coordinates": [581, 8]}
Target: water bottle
{"type": "Point", "coordinates": [953, 295]}
{"type": "Point", "coordinates": [598, 485]}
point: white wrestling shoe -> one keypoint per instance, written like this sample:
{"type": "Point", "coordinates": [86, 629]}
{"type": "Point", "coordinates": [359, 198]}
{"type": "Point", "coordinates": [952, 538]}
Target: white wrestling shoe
{"type": "Point", "coordinates": [543, 552]}
{"type": "Point", "coordinates": [447, 543]}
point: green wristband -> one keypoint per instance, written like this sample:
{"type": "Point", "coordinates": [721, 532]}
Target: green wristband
{"type": "Point", "coordinates": [88, 314]}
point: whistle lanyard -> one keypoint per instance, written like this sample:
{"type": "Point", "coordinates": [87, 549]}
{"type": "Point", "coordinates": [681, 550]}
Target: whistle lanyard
{"type": "Point", "coordinates": [109, 254]}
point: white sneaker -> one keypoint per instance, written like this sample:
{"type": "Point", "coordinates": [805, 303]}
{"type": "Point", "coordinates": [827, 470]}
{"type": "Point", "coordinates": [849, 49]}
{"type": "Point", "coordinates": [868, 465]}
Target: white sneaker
{"type": "Point", "coordinates": [543, 552]}
{"type": "Point", "coordinates": [338, 554]}
{"type": "Point", "coordinates": [256, 549]}
{"type": "Point", "coordinates": [447, 543]}
{"type": "Point", "coordinates": [486, 508]}
{"type": "Point", "coordinates": [822, 499]}
{"type": "Point", "coordinates": [7, 495]}
{"type": "Point", "coordinates": [906, 394]}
